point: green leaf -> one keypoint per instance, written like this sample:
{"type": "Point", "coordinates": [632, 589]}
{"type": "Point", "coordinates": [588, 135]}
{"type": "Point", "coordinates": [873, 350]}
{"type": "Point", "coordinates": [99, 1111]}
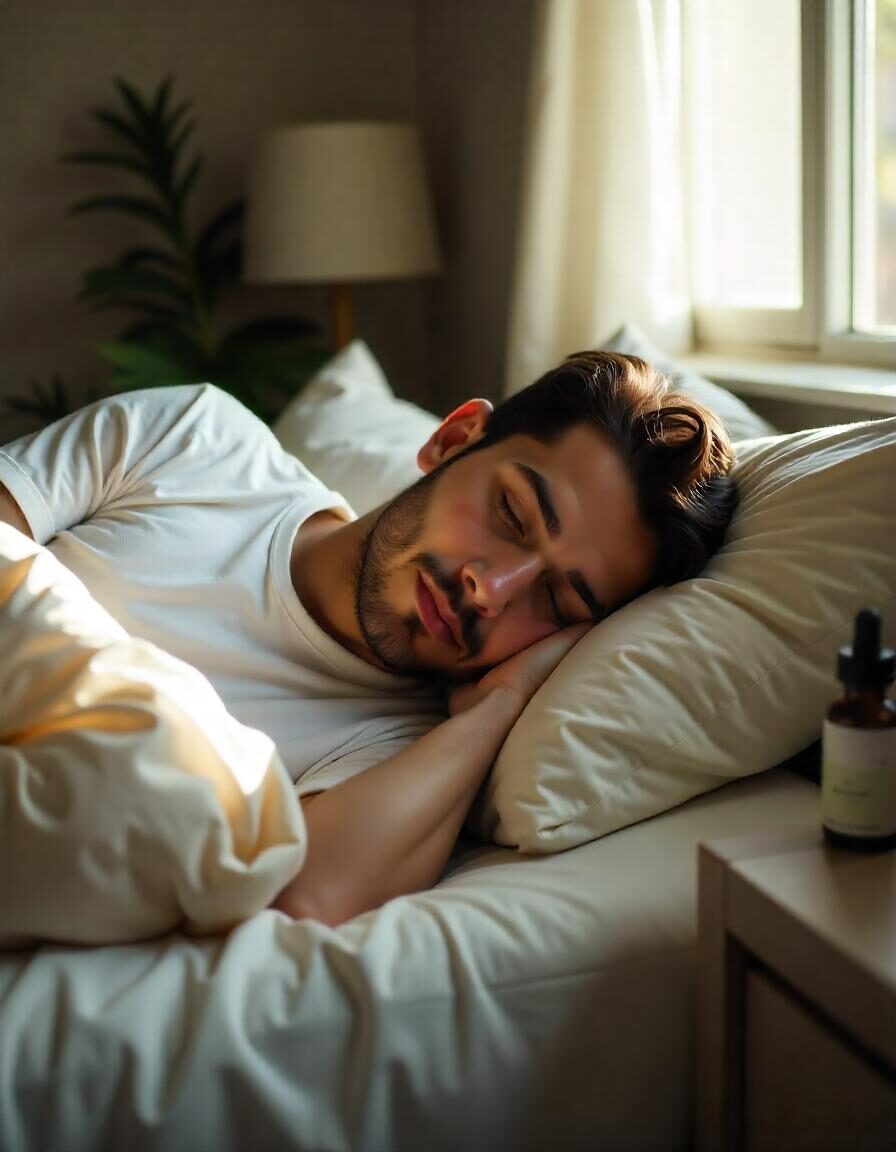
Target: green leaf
{"type": "Point", "coordinates": [218, 253]}
{"type": "Point", "coordinates": [176, 115]}
{"type": "Point", "coordinates": [131, 206]}
{"type": "Point", "coordinates": [121, 127]}
{"type": "Point", "coordinates": [218, 231]}
{"type": "Point", "coordinates": [182, 189]}
{"type": "Point", "coordinates": [110, 159]}
{"type": "Point", "coordinates": [45, 403]}
{"type": "Point", "coordinates": [130, 280]}
{"type": "Point", "coordinates": [140, 111]}
{"type": "Point", "coordinates": [167, 335]}
{"type": "Point", "coordinates": [162, 149]}
{"type": "Point", "coordinates": [160, 104]}
{"type": "Point", "coordinates": [142, 256]}
{"type": "Point", "coordinates": [145, 307]}
{"type": "Point", "coordinates": [220, 270]}
{"type": "Point", "coordinates": [147, 361]}
{"type": "Point", "coordinates": [176, 141]}
{"type": "Point", "coordinates": [271, 363]}
{"type": "Point", "coordinates": [265, 377]}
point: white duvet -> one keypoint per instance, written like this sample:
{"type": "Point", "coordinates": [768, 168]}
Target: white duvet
{"type": "Point", "coordinates": [131, 802]}
{"type": "Point", "coordinates": [524, 1003]}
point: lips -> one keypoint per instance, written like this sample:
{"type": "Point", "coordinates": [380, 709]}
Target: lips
{"type": "Point", "coordinates": [438, 626]}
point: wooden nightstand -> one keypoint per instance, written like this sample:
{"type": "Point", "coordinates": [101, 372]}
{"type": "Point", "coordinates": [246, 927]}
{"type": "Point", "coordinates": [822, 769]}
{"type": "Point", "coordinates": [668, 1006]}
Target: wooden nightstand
{"type": "Point", "coordinates": [796, 996]}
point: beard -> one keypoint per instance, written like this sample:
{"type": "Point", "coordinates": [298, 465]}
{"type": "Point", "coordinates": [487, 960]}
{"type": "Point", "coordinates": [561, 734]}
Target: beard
{"type": "Point", "coordinates": [389, 634]}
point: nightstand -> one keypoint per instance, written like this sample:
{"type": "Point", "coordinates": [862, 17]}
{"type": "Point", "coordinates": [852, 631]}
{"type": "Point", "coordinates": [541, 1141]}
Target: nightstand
{"type": "Point", "coordinates": [796, 996]}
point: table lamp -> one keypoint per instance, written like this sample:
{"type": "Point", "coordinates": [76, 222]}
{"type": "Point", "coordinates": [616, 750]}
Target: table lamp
{"type": "Point", "coordinates": [338, 203]}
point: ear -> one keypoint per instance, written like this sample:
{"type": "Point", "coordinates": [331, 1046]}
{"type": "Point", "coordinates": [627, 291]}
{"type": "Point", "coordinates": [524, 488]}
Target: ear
{"type": "Point", "coordinates": [461, 428]}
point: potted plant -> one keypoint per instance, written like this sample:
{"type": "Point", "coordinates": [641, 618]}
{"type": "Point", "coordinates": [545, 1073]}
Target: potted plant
{"type": "Point", "coordinates": [173, 289]}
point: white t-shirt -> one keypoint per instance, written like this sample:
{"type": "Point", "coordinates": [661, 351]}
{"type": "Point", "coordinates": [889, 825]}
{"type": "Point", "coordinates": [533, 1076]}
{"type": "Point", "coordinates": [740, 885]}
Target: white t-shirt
{"type": "Point", "coordinates": [178, 508]}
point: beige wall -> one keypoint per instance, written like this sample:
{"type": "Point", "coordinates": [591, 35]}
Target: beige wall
{"type": "Point", "coordinates": [460, 68]}
{"type": "Point", "coordinates": [246, 64]}
{"type": "Point", "coordinates": [474, 67]}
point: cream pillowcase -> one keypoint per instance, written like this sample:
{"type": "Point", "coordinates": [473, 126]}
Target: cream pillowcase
{"type": "Point", "coordinates": [716, 677]}
{"type": "Point", "coordinates": [131, 802]}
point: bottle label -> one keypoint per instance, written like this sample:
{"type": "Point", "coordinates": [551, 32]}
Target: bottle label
{"type": "Point", "coordinates": [858, 780]}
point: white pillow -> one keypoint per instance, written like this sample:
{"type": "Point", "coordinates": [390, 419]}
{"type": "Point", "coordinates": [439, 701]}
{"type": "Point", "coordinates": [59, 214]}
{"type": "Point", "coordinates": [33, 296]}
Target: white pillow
{"type": "Point", "coordinates": [350, 430]}
{"type": "Point", "coordinates": [720, 676]}
{"type": "Point", "coordinates": [740, 420]}
{"type": "Point", "coordinates": [131, 803]}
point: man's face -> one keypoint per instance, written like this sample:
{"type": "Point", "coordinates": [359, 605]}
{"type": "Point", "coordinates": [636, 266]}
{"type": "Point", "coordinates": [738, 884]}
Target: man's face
{"type": "Point", "coordinates": [494, 549]}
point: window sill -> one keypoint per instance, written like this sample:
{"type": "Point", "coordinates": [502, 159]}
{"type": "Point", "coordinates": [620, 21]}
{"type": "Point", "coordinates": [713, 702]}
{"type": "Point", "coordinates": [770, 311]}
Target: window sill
{"type": "Point", "coordinates": [833, 385]}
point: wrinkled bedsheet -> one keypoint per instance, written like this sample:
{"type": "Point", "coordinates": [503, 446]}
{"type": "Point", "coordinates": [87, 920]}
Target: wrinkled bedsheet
{"type": "Point", "coordinates": [523, 1003]}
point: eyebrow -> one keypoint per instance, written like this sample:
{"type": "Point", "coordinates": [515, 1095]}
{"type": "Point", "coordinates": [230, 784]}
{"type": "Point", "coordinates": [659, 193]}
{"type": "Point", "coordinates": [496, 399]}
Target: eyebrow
{"type": "Point", "coordinates": [552, 524]}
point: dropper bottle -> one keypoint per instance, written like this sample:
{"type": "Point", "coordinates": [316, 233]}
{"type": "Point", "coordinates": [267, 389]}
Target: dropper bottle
{"type": "Point", "coordinates": [858, 772]}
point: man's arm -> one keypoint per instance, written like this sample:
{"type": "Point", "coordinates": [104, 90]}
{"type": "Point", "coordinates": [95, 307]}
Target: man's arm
{"type": "Point", "coordinates": [390, 829]}
{"type": "Point", "coordinates": [11, 513]}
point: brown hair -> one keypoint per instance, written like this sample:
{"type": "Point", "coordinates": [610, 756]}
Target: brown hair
{"type": "Point", "coordinates": [678, 453]}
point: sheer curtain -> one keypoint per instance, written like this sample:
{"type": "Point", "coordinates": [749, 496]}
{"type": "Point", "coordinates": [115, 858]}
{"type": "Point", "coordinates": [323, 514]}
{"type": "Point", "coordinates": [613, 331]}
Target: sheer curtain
{"type": "Point", "coordinates": [601, 236]}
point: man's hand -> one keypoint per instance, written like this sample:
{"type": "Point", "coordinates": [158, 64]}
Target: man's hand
{"type": "Point", "coordinates": [390, 829]}
{"type": "Point", "coordinates": [521, 675]}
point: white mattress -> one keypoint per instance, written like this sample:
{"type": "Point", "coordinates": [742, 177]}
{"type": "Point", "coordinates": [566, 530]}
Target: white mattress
{"type": "Point", "coordinates": [524, 1003]}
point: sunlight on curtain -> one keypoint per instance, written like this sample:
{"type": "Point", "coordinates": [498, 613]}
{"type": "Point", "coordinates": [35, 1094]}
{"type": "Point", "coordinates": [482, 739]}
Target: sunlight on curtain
{"type": "Point", "coordinates": [601, 237]}
{"type": "Point", "coordinates": [875, 173]}
{"type": "Point", "coordinates": [743, 112]}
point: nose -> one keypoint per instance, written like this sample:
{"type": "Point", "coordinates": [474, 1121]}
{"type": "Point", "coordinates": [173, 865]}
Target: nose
{"type": "Point", "coordinates": [490, 584]}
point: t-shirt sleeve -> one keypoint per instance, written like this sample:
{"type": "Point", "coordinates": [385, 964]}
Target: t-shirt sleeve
{"type": "Point", "coordinates": [359, 760]}
{"type": "Point", "coordinates": [99, 456]}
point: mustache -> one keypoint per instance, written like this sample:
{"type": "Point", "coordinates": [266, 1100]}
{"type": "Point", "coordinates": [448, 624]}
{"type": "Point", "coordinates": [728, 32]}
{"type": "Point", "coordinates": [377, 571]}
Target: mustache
{"type": "Point", "coordinates": [468, 618]}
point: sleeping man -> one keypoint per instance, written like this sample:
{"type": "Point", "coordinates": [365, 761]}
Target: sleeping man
{"type": "Point", "coordinates": [339, 637]}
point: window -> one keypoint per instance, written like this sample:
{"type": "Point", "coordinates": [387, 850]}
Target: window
{"type": "Point", "coordinates": [746, 150]}
{"type": "Point", "coordinates": [791, 136]}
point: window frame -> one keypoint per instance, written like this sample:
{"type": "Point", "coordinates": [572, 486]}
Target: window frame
{"type": "Point", "coordinates": [821, 329]}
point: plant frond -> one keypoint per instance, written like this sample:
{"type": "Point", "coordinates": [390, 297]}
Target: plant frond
{"type": "Point", "coordinates": [141, 256]}
{"type": "Point", "coordinates": [163, 92]}
{"type": "Point", "coordinates": [177, 141]}
{"type": "Point", "coordinates": [148, 361]}
{"type": "Point", "coordinates": [107, 159]}
{"type": "Point", "coordinates": [122, 127]}
{"type": "Point", "coordinates": [132, 206]}
{"type": "Point", "coordinates": [119, 280]}
{"type": "Point", "coordinates": [182, 189]}
{"type": "Point", "coordinates": [140, 111]}
{"type": "Point", "coordinates": [220, 228]}
{"type": "Point", "coordinates": [176, 115]}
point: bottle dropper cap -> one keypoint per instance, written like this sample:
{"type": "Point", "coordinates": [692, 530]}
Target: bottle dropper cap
{"type": "Point", "coordinates": [866, 664]}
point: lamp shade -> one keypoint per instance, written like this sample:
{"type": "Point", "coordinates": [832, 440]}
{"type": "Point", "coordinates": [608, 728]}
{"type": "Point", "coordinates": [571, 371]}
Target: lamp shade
{"type": "Point", "coordinates": [339, 202]}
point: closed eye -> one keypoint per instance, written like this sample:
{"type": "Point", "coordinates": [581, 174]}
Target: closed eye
{"type": "Point", "coordinates": [556, 610]}
{"type": "Point", "coordinates": [516, 526]}
{"type": "Point", "coordinates": [510, 517]}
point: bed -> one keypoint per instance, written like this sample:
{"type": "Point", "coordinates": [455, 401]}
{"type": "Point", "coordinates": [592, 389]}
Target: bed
{"type": "Point", "coordinates": [524, 1003]}
{"type": "Point", "coordinates": [542, 994]}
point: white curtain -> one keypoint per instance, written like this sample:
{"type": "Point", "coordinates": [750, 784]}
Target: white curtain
{"type": "Point", "coordinates": [601, 235]}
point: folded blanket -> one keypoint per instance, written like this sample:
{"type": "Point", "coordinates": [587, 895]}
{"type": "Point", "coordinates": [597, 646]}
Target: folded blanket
{"type": "Point", "coordinates": [131, 802]}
